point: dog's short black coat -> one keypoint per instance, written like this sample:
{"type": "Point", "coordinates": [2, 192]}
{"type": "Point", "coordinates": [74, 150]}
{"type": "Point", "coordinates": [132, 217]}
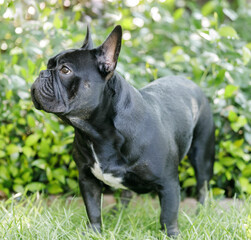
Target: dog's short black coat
{"type": "Point", "coordinates": [127, 138]}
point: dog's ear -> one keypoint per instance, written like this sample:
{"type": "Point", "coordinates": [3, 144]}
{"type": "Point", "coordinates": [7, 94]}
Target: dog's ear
{"type": "Point", "coordinates": [107, 54]}
{"type": "Point", "coordinates": [88, 44]}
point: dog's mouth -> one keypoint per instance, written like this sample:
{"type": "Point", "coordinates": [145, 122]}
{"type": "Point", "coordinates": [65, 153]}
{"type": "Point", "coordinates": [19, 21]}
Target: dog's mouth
{"type": "Point", "coordinates": [34, 100]}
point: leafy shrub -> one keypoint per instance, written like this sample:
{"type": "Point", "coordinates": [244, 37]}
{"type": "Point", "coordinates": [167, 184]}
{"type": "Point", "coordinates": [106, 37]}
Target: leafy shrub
{"type": "Point", "coordinates": [208, 45]}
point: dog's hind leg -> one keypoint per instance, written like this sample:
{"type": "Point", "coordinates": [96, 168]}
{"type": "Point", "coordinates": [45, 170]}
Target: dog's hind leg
{"type": "Point", "coordinates": [123, 201]}
{"type": "Point", "coordinates": [126, 196]}
{"type": "Point", "coordinates": [202, 153]}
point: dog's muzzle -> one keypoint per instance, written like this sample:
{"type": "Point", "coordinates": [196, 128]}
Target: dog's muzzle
{"type": "Point", "coordinates": [42, 89]}
{"type": "Point", "coordinates": [47, 93]}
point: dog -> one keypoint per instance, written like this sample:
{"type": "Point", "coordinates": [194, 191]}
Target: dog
{"type": "Point", "coordinates": [127, 138]}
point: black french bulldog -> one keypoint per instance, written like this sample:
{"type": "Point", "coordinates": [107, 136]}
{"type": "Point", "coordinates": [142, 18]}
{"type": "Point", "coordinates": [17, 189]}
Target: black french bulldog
{"type": "Point", "coordinates": [124, 137]}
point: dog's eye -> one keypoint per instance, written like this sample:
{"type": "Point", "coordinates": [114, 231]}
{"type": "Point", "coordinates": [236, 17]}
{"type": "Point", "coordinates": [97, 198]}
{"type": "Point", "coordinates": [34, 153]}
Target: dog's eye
{"type": "Point", "coordinates": [65, 70]}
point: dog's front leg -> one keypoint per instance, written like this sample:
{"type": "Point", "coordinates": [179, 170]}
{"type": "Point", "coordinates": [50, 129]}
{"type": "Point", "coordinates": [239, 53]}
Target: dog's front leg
{"type": "Point", "coordinates": [91, 190]}
{"type": "Point", "coordinates": [169, 196]}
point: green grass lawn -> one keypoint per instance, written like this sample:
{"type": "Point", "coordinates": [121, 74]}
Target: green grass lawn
{"type": "Point", "coordinates": [36, 217]}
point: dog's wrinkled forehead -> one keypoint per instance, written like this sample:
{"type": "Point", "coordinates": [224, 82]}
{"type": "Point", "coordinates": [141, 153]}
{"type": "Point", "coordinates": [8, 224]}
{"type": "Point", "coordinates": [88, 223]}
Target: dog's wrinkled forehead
{"type": "Point", "coordinates": [52, 63]}
{"type": "Point", "coordinates": [68, 56]}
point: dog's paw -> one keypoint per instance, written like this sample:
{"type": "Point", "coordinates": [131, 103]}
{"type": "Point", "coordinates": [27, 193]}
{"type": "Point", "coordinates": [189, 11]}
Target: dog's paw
{"type": "Point", "coordinates": [171, 232]}
{"type": "Point", "coordinates": [92, 228]}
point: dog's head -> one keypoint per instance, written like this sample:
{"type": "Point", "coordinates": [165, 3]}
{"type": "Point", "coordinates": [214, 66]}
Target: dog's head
{"type": "Point", "coordinates": [75, 79]}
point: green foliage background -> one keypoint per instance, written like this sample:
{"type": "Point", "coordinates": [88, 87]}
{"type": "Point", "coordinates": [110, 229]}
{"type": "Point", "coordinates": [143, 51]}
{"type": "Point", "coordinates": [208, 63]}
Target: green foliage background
{"type": "Point", "coordinates": [209, 43]}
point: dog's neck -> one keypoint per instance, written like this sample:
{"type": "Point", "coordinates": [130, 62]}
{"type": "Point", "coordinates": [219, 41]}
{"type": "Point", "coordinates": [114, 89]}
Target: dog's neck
{"type": "Point", "coordinates": [119, 101]}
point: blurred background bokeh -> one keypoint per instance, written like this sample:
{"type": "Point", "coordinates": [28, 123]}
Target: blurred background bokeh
{"type": "Point", "coordinates": [206, 41]}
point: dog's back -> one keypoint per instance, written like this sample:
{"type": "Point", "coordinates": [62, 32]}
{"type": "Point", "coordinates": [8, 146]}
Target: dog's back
{"type": "Point", "coordinates": [175, 98]}
{"type": "Point", "coordinates": [177, 104]}
{"type": "Point", "coordinates": [184, 111]}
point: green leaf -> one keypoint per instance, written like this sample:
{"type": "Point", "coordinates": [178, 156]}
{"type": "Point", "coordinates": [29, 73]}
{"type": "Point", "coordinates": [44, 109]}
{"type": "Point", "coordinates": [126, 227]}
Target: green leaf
{"type": "Point", "coordinates": [19, 181]}
{"type": "Point", "coordinates": [246, 172]}
{"type": "Point", "coordinates": [27, 176]}
{"type": "Point", "coordinates": [245, 185]}
{"type": "Point", "coordinates": [21, 121]}
{"type": "Point", "coordinates": [54, 188]}
{"type": "Point", "coordinates": [239, 143]}
{"type": "Point", "coordinates": [4, 173]}
{"type": "Point", "coordinates": [230, 90]}
{"type": "Point", "coordinates": [246, 55]}
{"type": "Point", "coordinates": [9, 94]}
{"type": "Point", "coordinates": [208, 8]}
{"type": "Point", "coordinates": [46, 11]}
{"type": "Point", "coordinates": [127, 23]}
{"type": "Point", "coordinates": [66, 158]}
{"type": "Point", "coordinates": [197, 70]}
{"type": "Point", "coordinates": [40, 163]}
{"type": "Point", "coordinates": [31, 121]}
{"type": "Point", "coordinates": [57, 21]}
{"type": "Point", "coordinates": [248, 45]}
{"type": "Point", "coordinates": [72, 184]}
{"type": "Point", "coordinates": [58, 149]}
{"type": "Point", "coordinates": [218, 168]}
{"type": "Point", "coordinates": [218, 191]}
{"type": "Point", "coordinates": [13, 170]}
{"type": "Point", "coordinates": [227, 161]}
{"type": "Point", "coordinates": [240, 164]}
{"type": "Point", "coordinates": [32, 139]}
{"type": "Point", "coordinates": [28, 152]}
{"type": "Point", "coordinates": [178, 13]}
{"type": "Point", "coordinates": [2, 154]}
{"type": "Point", "coordinates": [35, 186]}
{"type": "Point", "coordinates": [45, 147]}
{"type": "Point", "coordinates": [59, 174]}
{"type": "Point", "coordinates": [241, 122]}
{"type": "Point", "coordinates": [232, 116]}
{"type": "Point", "coordinates": [189, 182]}
{"type": "Point", "coordinates": [170, 4]}
{"type": "Point", "coordinates": [228, 32]}
{"type": "Point", "coordinates": [23, 72]}
{"type": "Point", "coordinates": [18, 188]}
{"type": "Point", "coordinates": [168, 57]}
{"type": "Point", "coordinates": [31, 66]}
{"type": "Point", "coordinates": [12, 149]}
{"type": "Point", "coordinates": [228, 175]}
{"type": "Point", "coordinates": [78, 15]}
{"type": "Point", "coordinates": [49, 174]}
{"type": "Point", "coordinates": [190, 171]}
{"type": "Point", "coordinates": [220, 77]}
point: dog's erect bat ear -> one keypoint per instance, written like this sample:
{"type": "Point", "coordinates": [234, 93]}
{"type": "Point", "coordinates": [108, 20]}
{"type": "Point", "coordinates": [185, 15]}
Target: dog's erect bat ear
{"type": "Point", "coordinates": [107, 54]}
{"type": "Point", "coordinates": [88, 44]}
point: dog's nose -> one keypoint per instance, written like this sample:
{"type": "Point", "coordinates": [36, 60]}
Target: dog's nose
{"type": "Point", "coordinates": [45, 74]}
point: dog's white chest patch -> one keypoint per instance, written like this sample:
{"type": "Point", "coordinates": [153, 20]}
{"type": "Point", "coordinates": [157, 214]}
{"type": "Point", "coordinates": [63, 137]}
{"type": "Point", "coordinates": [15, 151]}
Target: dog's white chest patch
{"type": "Point", "coordinates": [106, 178]}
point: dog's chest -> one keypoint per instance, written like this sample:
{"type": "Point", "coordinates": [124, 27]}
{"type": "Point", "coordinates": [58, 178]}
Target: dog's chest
{"type": "Point", "coordinates": [107, 178]}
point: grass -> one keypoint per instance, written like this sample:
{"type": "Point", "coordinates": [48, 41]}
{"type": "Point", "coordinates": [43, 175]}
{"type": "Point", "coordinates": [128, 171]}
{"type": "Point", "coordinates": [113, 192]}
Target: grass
{"type": "Point", "coordinates": [37, 217]}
